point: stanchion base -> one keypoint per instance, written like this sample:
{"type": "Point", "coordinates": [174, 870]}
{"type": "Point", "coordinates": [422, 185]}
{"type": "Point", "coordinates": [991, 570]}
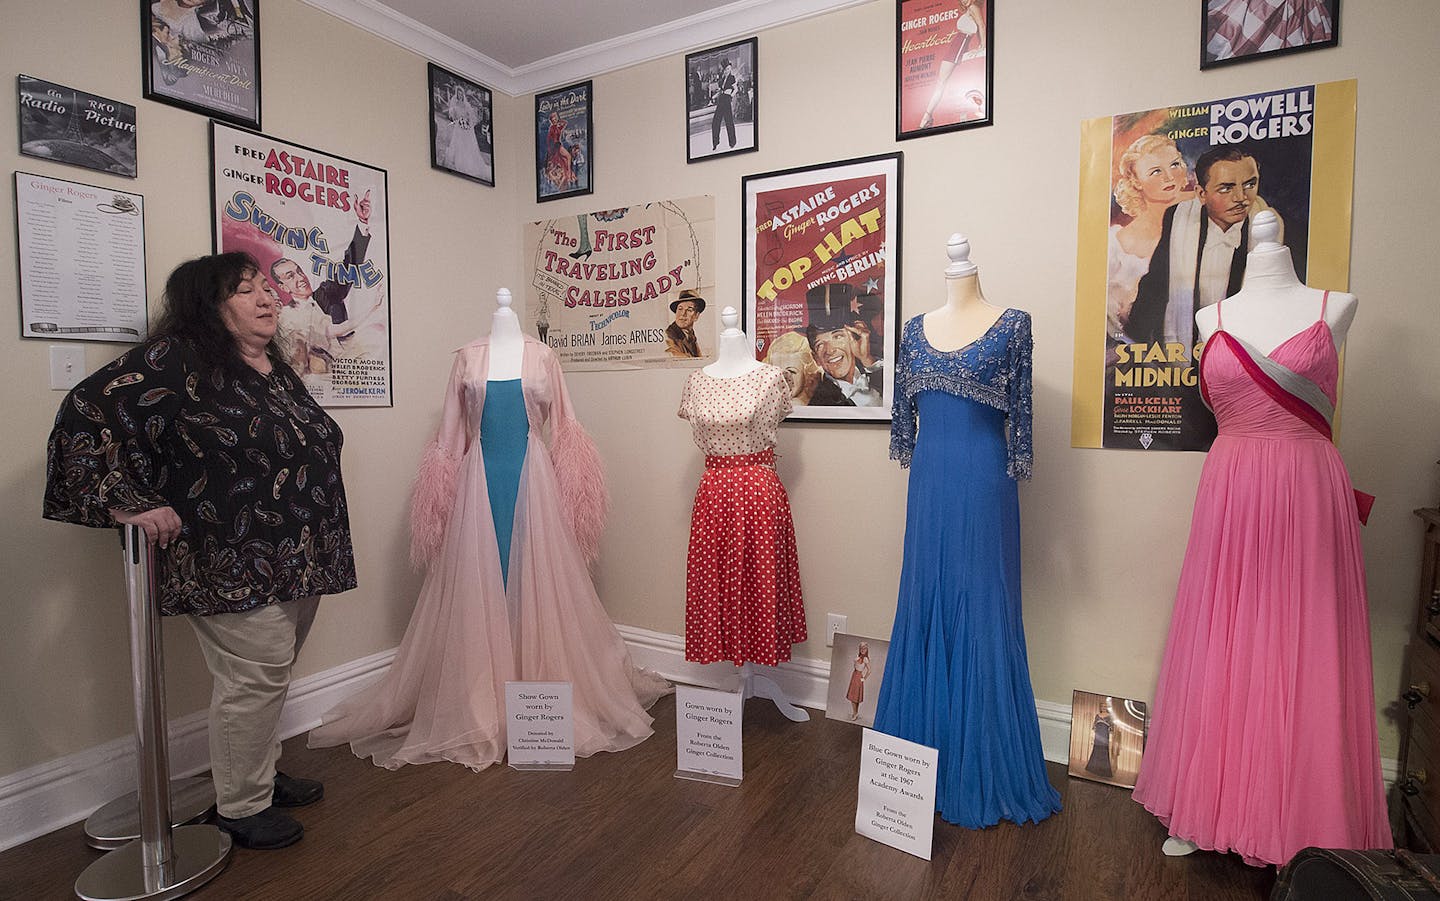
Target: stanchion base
{"type": "Point", "coordinates": [118, 822]}
{"type": "Point", "coordinates": [201, 852]}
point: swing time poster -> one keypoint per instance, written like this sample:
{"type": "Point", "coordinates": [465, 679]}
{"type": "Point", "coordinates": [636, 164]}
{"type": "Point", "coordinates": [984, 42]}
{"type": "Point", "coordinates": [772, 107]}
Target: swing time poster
{"type": "Point", "coordinates": [1167, 197]}
{"type": "Point", "coordinates": [317, 225]}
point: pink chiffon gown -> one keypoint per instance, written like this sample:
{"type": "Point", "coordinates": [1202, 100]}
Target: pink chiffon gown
{"type": "Point", "coordinates": [473, 629]}
{"type": "Point", "coordinates": [1263, 735]}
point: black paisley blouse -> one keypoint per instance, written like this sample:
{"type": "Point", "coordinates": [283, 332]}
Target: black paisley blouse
{"type": "Point", "coordinates": [250, 463]}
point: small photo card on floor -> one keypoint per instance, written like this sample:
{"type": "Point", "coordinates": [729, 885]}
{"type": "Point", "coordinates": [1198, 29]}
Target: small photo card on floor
{"type": "Point", "coordinates": [1107, 738]}
{"type": "Point", "coordinates": [897, 793]}
{"type": "Point", "coordinates": [856, 667]}
{"type": "Point", "coordinates": [707, 735]}
{"type": "Point", "coordinates": [539, 725]}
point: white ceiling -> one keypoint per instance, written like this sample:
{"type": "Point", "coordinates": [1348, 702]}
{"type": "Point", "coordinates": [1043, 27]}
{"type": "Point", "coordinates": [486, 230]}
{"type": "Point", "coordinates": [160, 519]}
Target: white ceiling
{"type": "Point", "coordinates": [518, 34]}
{"type": "Point", "coordinates": [521, 46]}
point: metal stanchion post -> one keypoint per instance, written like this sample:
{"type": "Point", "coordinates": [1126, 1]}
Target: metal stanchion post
{"type": "Point", "coordinates": [165, 861]}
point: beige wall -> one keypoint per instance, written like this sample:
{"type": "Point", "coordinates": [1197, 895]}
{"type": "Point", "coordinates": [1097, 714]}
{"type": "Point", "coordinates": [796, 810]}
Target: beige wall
{"type": "Point", "coordinates": [1103, 531]}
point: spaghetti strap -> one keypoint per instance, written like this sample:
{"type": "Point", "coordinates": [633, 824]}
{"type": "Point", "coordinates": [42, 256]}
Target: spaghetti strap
{"type": "Point", "coordinates": [1219, 316]}
{"type": "Point", "coordinates": [1324, 302]}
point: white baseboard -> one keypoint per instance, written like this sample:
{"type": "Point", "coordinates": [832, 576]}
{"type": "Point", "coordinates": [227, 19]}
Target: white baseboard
{"type": "Point", "coordinates": [49, 796]}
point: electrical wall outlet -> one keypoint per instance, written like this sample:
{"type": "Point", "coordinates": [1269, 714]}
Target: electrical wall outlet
{"type": "Point", "coordinates": [834, 622]}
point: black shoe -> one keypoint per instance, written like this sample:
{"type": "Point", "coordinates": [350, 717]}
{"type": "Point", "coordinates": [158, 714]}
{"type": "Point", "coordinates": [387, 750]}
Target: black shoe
{"type": "Point", "coordinates": [264, 831]}
{"type": "Point", "coordinates": [291, 791]}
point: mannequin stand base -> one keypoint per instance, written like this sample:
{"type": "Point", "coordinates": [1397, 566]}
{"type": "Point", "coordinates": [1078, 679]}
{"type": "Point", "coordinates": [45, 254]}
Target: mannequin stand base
{"type": "Point", "coordinates": [1178, 847]}
{"type": "Point", "coordinates": [118, 823]}
{"type": "Point", "coordinates": [755, 685]}
{"type": "Point", "coordinates": [200, 853]}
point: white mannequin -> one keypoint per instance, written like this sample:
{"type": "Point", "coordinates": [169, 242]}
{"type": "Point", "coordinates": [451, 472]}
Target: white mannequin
{"type": "Point", "coordinates": [735, 355]}
{"type": "Point", "coordinates": [507, 345]}
{"type": "Point", "coordinates": [966, 316]}
{"type": "Point", "coordinates": [1273, 304]}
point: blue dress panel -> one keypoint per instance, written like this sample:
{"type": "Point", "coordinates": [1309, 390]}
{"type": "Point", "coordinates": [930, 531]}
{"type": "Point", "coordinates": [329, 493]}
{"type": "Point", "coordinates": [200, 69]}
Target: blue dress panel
{"type": "Point", "coordinates": [956, 678]}
{"type": "Point", "coordinates": [506, 428]}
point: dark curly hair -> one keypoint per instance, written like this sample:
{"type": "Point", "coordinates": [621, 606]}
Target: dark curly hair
{"type": "Point", "coordinates": [193, 295]}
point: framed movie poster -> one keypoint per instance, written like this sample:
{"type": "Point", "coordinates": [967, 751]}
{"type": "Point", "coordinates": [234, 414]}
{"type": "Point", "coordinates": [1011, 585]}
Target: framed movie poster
{"type": "Point", "coordinates": [821, 270]}
{"type": "Point", "coordinates": [64, 125]}
{"type": "Point", "coordinates": [318, 225]}
{"type": "Point", "coordinates": [461, 136]}
{"type": "Point", "coordinates": [203, 57]}
{"type": "Point", "coordinates": [564, 126]}
{"type": "Point", "coordinates": [1107, 738]}
{"type": "Point", "coordinates": [1236, 31]}
{"type": "Point", "coordinates": [1159, 188]}
{"type": "Point", "coordinates": [721, 95]}
{"type": "Point", "coordinates": [944, 71]}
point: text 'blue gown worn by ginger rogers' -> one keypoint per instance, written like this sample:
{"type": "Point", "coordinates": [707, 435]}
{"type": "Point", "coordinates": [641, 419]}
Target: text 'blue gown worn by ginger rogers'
{"type": "Point", "coordinates": [957, 678]}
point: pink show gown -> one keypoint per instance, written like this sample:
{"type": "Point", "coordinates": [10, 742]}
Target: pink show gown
{"type": "Point", "coordinates": [1263, 738]}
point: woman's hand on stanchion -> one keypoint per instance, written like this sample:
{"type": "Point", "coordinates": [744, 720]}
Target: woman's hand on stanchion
{"type": "Point", "coordinates": [161, 525]}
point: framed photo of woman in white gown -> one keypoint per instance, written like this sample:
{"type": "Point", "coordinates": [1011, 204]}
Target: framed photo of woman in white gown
{"type": "Point", "coordinates": [462, 139]}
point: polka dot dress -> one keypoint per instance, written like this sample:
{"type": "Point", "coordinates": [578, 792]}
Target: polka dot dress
{"type": "Point", "coordinates": [742, 586]}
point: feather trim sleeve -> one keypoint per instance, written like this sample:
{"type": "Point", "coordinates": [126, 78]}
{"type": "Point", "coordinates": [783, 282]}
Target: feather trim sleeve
{"type": "Point", "coordinates": [579, 469]}
{"type": "Point", "coordinates": [433, 495]}
{"type": "Point", "coordinates": [581, 474]}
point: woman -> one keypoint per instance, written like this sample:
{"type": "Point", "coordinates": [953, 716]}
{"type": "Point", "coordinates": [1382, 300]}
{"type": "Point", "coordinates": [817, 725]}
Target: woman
{"type": "Point", "coordinates": [855, 694]}
{"type": "Point", "coordinates": [791, 352]}
{"type": "Point", "coordinates": [208, 441]}
{"type": "Point", "coordinates": [1152, 177]}
{"type": "Point", "coordinates": [462, 151]}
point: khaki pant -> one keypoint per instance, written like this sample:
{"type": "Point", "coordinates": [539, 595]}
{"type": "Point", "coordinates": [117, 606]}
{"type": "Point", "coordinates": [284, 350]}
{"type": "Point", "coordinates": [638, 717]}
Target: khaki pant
{"type": "Point", "coordinates": [249, 655]}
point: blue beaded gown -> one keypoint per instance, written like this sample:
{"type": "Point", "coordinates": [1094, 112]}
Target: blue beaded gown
{"type": "Point", "coordinates": [957, 677]}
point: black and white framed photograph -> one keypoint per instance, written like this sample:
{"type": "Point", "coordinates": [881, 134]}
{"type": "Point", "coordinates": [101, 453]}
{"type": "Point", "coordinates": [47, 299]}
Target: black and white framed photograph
{"type": "Point", "coordinates": [564, 142]}
{"type": "Point", "coordinates": [64, 125]}
{"type": "Point", "coordinates": [722, 115]}
{"type": "Point", "coordinates": [462, 138]}
{"type": "Point", "coordinates": [203, 56]}
{"type": "Point", "coordinates": [1237, 31]}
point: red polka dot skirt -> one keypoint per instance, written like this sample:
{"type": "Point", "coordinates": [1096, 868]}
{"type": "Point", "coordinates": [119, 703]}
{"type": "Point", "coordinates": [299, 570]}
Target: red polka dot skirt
{"type": "Point", "coordinates": [742, 588]}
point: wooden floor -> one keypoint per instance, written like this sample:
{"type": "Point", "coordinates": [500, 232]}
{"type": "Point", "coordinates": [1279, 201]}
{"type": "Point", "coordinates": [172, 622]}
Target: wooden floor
{"type": "Point", "coordinates": [620, 826]}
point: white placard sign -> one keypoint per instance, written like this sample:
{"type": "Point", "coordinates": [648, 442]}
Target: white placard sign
{"type": "Point", "coordinates": [707, 733]}
{"type": "Point", "coordinates": [897, 792]}
{"type": "Point", "coordinates": [539, 725]}
{"type": "Point", "coordinates": [82, 260]}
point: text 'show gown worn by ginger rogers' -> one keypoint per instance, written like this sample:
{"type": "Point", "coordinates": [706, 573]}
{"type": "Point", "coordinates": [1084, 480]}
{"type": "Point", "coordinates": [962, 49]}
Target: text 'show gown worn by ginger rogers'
{"type": "Point", "coordinates": [957, 677]}
{"type": "Point", "coordinates": [1262, 736]}
{"type": "Point", "coordinates": [498, 607]}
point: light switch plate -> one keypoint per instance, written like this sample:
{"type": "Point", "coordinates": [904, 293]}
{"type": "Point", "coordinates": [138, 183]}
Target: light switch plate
{"type": "Point", "coordinates": [67, 366]}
